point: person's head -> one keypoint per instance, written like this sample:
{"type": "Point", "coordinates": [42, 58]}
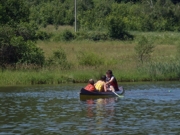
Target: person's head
{"type": "Point", "coordinates": [109, 73]}
{"type": "Point", "coordinates": [103, 78]}
{"type": "Point", "coordinates": [91, 81]}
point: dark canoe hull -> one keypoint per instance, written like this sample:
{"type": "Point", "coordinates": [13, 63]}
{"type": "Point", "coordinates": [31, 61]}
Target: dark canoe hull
{"type": "Point", "coordinates": [84, 94]}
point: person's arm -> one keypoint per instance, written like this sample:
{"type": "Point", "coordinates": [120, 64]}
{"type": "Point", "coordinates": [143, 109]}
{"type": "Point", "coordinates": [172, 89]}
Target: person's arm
{"type": "Point", "coordinates": [105, 88]}
{"type": "Point", "coordinates": [111, 80]}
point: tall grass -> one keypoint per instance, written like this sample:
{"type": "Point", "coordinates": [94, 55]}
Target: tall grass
{"type": "Point", "coordinates": [160, 38]}
{"type": "Point", "coordinates": [119, 56]}
{"type": "Point", "coordinates": [46, 77]}
{"type": "Point", "coordinates": [164, 70]}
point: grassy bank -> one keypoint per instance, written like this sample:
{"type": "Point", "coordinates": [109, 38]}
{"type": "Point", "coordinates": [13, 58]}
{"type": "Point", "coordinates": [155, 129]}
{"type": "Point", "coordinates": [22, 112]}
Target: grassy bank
{"type": "Point", "coordinates": [119, 56]}
{"type": "Point", "coordinates": [55, 77]}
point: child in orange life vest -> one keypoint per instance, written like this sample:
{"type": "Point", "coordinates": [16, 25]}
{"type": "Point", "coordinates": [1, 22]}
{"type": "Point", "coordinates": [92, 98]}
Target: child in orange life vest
{"type": "Point", "coordinates": [90, 86]}
{"type": "Point", "coordinates": [111, 81]}
{"type": "Point", "coordinates": [101, 84]}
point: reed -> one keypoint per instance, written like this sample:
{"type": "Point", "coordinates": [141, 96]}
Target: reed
{"type": "Point", "coordinates": [149, 72]}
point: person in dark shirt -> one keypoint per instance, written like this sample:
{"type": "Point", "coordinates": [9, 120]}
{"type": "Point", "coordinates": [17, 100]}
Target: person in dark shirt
{"type": "Point", "coordinates": [111, 81]}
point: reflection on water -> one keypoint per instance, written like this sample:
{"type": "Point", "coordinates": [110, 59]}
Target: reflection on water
{"type": "Point", "coordinates": [147, 108]}
{"type": "Point", "coordinates": [99, 111]}
{"type": "Point", "coordinates": [104, 107]}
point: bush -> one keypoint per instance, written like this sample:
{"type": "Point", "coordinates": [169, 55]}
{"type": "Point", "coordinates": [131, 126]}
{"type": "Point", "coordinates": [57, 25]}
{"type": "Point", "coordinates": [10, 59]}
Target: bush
{"type": "Point", "coordinates": [43, 35]}
{"type": "Point", "coordinates": [90, 59]}
{"type": "Point", "coordinates": [14, 49]}
{"type": "Point", "coordinates": [16, 31]}
{"type": "Point", "coordinates": [26, 52]}
{"type": "Point", "coordinates": [67, 35]}
{"type": "Point", "coordinates": [144, 48]}
{"type": "Point", "coordinates": [117, 28]}
{"type": "Point", "coordinates": [26, 30]}
{"type": "Point", "coordinates": [58, 60]}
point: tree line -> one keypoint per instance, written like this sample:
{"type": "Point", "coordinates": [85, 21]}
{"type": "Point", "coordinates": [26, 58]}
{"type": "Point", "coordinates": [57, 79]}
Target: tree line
{"type": "Point", "coordinates": [139, 15]}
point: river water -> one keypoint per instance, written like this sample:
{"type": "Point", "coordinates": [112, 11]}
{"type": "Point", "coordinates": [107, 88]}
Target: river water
{"type": "Point", "coordinates": [146, 108]}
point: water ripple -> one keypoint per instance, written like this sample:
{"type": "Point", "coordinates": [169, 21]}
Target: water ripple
{"type": "Point", "coordinates": [145, 109]}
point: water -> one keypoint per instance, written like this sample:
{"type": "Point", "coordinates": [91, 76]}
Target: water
{"type": "Point", "coordinates": [146, 108]}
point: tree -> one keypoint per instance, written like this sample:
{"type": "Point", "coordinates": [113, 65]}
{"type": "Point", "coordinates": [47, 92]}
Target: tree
{"type": "Point", "coordinates": [14, 11]}
{"type": "Point", "coordinates": [17, 34]}
{"type": "Point", "coordinates": [117, 28]}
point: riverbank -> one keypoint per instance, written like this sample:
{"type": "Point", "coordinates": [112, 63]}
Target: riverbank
{"type": "Point", "coordinates": [79, 76]}
{"type": "Point", "coordinates": [89, 59]}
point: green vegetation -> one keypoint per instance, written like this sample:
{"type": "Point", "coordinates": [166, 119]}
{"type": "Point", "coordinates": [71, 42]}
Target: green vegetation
{"type": "Point", "coordinates": [138, 15]}
{"type": "Point", "coordinates": [144, 48]}
{"type": "Point", "coordinates": [17, 34]}
{"type": "Point", "coordinates": [79, 58]}
{"type": "Point", "coordinates": [138, 40]}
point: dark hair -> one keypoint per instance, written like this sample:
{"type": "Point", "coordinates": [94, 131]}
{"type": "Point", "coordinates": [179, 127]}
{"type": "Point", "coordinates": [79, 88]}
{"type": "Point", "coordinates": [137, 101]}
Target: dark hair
{"type": "Point", "coordinates": [103, 78]}
{"type": "Point", "coordinates": [109, 72]}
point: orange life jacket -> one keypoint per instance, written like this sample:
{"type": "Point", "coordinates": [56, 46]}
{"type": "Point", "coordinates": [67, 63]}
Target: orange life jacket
{"type": "Point", "coordinates": [90, 87]}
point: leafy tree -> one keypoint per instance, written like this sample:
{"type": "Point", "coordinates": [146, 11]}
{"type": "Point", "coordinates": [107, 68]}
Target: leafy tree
{"type": "Point", "coordinates": [14, 11]}
{"type": "Point", "coordinates": [14, 49]}
{"type": "Point", "coordinates": [116, 28]}
{"type": "Point", "coordinates": [139, 15]}
{"type": "Point", "coordinates": [53, 12]}
{"type": "Point", "coordinates": [16, 31]}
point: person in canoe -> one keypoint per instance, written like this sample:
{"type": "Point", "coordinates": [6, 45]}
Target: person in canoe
{"type": "Point", "coordinates": [90, 86]}
{"type": "Point", "coordinates": [101, 84]}
{"type": "Point", "coordinates": [111, 81]}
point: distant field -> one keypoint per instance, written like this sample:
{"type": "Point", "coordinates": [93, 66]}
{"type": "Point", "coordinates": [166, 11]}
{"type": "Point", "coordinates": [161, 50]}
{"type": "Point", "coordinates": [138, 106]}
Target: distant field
{"type": "Point", "coordinates": [119, 56]}
{"type": "Point", "coordinates": [120, 53]}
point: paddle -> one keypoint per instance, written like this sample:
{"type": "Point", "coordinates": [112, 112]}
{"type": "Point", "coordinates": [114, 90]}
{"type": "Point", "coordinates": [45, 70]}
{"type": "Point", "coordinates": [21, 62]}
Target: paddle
{"type": "Point", "coordinates": [117, 94]}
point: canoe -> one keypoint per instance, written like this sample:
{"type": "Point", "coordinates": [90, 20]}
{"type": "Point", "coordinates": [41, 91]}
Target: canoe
{"type": "Point", "coordinates": [84, 94]}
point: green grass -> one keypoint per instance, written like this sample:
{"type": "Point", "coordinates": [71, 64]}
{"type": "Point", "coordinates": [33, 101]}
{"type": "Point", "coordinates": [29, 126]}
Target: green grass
{"type": "Point", "coordinates": [160, 38]}
{"type": "Point", "coordinates": [32, 77]}
{"type": "Point", "coordinates": [119, 56]}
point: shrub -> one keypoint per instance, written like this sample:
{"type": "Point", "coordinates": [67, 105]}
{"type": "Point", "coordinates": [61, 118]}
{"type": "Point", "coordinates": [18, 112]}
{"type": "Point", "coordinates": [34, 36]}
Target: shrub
{"type": "Point", "coordinates": [43, 35]}
{"type": "Point", "coordinates": [16, 31]}
{"type": "Point", "coordinates": [26, 30]}
{"type": "Point", "coordinates": [144, 48]}
{"type": "Point", "coordinates": [58, 60]}
{"type": "Point", "coordinates": [90, 59]}
{"type": "Point", "coordinates": [14, 49]}
{"type": "Point", "coordinates": [117, 28]}
{"type": "Point", "coordinates": [67, 35]}
{"type": "Point", "coordinates": [26, 52]}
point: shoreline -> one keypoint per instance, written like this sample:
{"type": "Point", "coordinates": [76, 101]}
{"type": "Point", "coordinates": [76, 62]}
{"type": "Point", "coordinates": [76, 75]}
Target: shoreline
{"type": "Point", "coordinates": [16, 78]}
